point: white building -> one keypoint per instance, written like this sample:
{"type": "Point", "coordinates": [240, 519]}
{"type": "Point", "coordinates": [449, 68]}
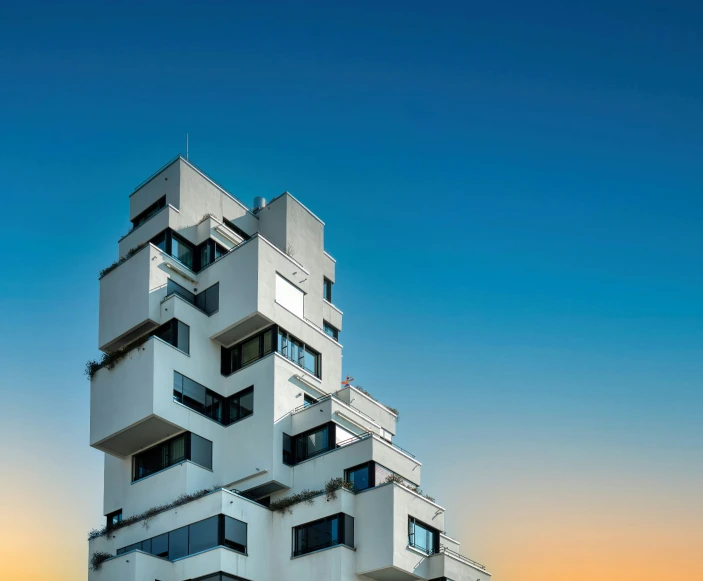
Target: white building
{"type": "Point", "coordinates": [222, 381]}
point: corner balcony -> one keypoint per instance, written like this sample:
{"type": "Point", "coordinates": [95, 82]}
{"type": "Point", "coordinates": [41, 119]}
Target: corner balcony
{"type": "Point", "coordinates": [383, 551]}
{"type": "Point", "coordinates": [366, 405]}
{"type": "Point", "coordinates": [353, 452]}
{"type": "Point", "coordinates": [127, 403]}
{"type": "Point", "coordinates": [131, 295]}
{"type": "Point", "coordinates": [332, 408]}
{"type": "Point", "coordinates": [450, 564]}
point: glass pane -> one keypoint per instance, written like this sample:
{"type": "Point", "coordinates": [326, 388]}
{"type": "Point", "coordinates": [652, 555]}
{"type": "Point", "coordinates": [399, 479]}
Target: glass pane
{"type": "Point", "coordinates": [348, 530]}
{"type": "Point", "coordinates": [235, 534]}
{"type": "Point", "coordinates": [213, 299]}
{"type": "Point", "coordinates": [246, 404]}
{"type": "Point", "coordinates": [250, 351]}
{"type": "Point", "coordinates": [178, 543]}
{"type": "Point", "coordinates": [183, 337]}
{"type": "Point", "coordinates": [201, 451]}
{"type": "Point", "coordinates": [282, 344]}
{"type": "Point", "coordinates": [213, 406]}
{"type": "Point", "coordinates": [317, 442]}
{"type": "Point", "coordinates": [205, 256]}
{"type": "Point", "coordinates": [182, 251]}
{"type": "Point", "coordinates": [310, 361]}
{"type": "Point", "coordinates": [159, 545]}
{"type": "Point", "coordinates": [318, 535]}
{"type": "Point", "coordinates": [193, 394]}
{"type": "Point", "coordinates": [268, 341]}
{"type": "Point", "coordinates": [359, 477]}
{"type": "Point", "coordinates": [160, 241]}
{"type": "Point", "coordinates": [177, 386]}
{"type": "Point", "coordinates": [334, 531]}
{"type": "Point", "coordinates": [203, 535]}
{"type": "Point", "coordinates": [146, 546]}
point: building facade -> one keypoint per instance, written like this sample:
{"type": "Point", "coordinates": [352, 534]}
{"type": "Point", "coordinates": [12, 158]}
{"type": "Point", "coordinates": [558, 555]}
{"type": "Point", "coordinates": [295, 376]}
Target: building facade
{"type": "Point", "coordinates": [232, 448]}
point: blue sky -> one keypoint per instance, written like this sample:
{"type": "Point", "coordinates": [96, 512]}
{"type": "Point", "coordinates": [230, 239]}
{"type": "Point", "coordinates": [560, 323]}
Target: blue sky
{"type": "Point", "coordinates": [512, 192]}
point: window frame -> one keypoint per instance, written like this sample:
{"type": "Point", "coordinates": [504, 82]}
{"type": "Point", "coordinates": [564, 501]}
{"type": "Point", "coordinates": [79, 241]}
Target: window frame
{"type": "Point", "coordinates": [415, 522]}
{"type": "Point", "coordinates": [161, 450]}
{"type": "Point", "coordinates": [345, 524]}
{"type": "Point", "coordinates": [327, 285]}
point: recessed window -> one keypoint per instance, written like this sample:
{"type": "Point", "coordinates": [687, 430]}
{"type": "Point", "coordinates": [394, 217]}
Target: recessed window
{"type": "Point", "coordinates": [308, 400]}
{"type": "Point", "coordinates": [361, 476]}
{"type": "Point", "coordinates": [149, 212]}
{"type": "Point", "coordinates": [184, 447]}
{"type": "Point", "coordinates": [422, 537]}
{"type": "Point", "coordinates": [299, 353]}
{"type": "Point", "coordinates": [331, 330]}
{"type": "Point", "coordinates": [333, 530]}
{"type": "Point", "coordinates": [223, 410]}
{"type": "Point", "coordinates": [182, 250]}
{"type": "Point", "coordinates": [114, 518]}
{"type": "Point", "coordinates": [309, 444]}
{"type": "Point", "coordinates": [247, 352]}
{"type": "Point", "coordinates": [216, 531]}
{"type": "Point", "coordinates": [236, 229]}
{"type": "Point", "coordinates": [327, 289]}
{"type": "Point", "coordinates": [209, 299]}
{"type": "Point", "coordinates": [175, 333]}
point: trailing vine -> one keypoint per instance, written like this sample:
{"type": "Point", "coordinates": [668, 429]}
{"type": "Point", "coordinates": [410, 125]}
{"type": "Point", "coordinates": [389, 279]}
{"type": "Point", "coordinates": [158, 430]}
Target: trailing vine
{"type": "Point", "coordinates": [366, 393]}
{"type": "Point", "coordinates": [397, 479]}
{"type": "Point", "coordinates": [144, 517]}
{"type": "Point", "coordinates": [109, 360]}
{"type": "Point", "coordinates": [285, 505]}
{"type": "Point", "coordinates": [97, 559]}
{"type": "Point", "coordinates": [114, 265]}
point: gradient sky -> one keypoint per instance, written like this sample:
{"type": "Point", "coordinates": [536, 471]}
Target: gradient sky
{"type": "Point", "coordinates": [513, 192]}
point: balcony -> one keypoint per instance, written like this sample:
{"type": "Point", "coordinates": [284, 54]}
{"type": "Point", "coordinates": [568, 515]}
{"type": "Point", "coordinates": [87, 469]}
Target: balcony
{"type": "Point", "coordinates": [331, 408]}
{"type": "Point", "coordinates": [368, 406]}
{"type": "Point", "coordinates": [383, 552]}
{"type": "Point", "coordinates": [450, 564]}
{"type": "Point", "coordinates": [128, 403]}
{"type": "Point", "coordinates": [131, 296]}
{"type": "Point", "coordinates": [352, 452]}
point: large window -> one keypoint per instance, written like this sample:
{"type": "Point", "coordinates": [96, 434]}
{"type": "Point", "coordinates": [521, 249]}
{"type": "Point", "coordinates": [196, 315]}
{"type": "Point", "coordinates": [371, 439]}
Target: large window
{"type": "Point", "coordinates": [216, 531]}
{"type": "Point", "coordinates": [184, 447]}
{"type": "Point", "coordinates": [248, 351]}
{"type": "Point", "coordinates": [299, 353]}
{"type": "Point", "coordinates": [422, 536]}
{"type": "Point", "coordinates": [334, 530]}
{"type": "Point", "coordinates": [207, 253]}
{"type": "Point", "coordinates": [181, 250]}
{"type": "Point", "coordinates": [309, 444]}
{"type": "Point", "coordinates": [175, 333]}
{"type": "Point", "coordinates": [327, 289]}
{"type": "Point", "coordinates": [114, 518]}
{"type": "Point", "coordinates": [272, 339]}
{"type": "Point", "coordinates": [194, 257]}
{"type": "Point", "coordinates": [223, 410]}
{"type": "Point", "coordinates": [149, 212]}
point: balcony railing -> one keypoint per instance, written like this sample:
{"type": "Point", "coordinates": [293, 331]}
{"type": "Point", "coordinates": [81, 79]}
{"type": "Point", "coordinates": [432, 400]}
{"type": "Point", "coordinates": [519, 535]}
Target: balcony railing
{"type": "Point", "coordinates": [305, 406]}
{"type": "Point", "coordinates": [447, 551]}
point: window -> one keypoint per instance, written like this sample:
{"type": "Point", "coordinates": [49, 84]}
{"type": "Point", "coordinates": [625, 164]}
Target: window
{"type": "Point", "coordinates": [181, 250]}
{"type": "Point", "coordinates": [114, 518]}
{"type": "Point", "coordinates": [330, 330]}
{"type": "Point", "coordinates": [173, 288]}
{"type": "Point", "coordinates": [308, 400]}
{"type": "Point", "coordinates": [207, 253]}
{"type": "Point", "coordinates": [334, 530]}
{"type": "Point", "coordinates": [361, 477]}
{"type": "Point", "coordinates": [241, 404]}
{"type": "Point", "coordinates": [308, 444]}
{"type": "Point", "coordinates": [235, 534]}
{"type": "Point", "coordinates": [184, 447]}
{"type": "Point", "coordinates": [422, 536]}
{"type": "Point", "coordinates": [289, 296]}
{"type": "Point", "coordinates": [250, 350]}
{"type": "Point", "coordinates": [299, 353]}
{"type": "Point", "coordinates": [209, 299]}
{"type": "Point", "coordinates": [175, 333]}
{"type": "Point", "coordinates": [205, 401]}
{"type": "Point", "coordinates": [327, 289]}
{"type": "Point", "coordinates": [203, 535]}
{"type": "Point", "coordinates": [217, 531]}
{"type": "Point", "coordinates": [149, 212]}
{"type": "Point", "coordinates": [236, 229]}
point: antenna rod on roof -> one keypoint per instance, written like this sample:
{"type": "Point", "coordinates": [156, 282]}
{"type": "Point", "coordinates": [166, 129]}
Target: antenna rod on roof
{"type": "Point", "coordinates": [186, 147]}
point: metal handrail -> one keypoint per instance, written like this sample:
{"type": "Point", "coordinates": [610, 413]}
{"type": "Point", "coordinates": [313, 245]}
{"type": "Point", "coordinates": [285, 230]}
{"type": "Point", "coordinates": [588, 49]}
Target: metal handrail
{"type": "Point", "coordinates": [444, 549]}
{"type": "Point", "coordinates": [325, 398]}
